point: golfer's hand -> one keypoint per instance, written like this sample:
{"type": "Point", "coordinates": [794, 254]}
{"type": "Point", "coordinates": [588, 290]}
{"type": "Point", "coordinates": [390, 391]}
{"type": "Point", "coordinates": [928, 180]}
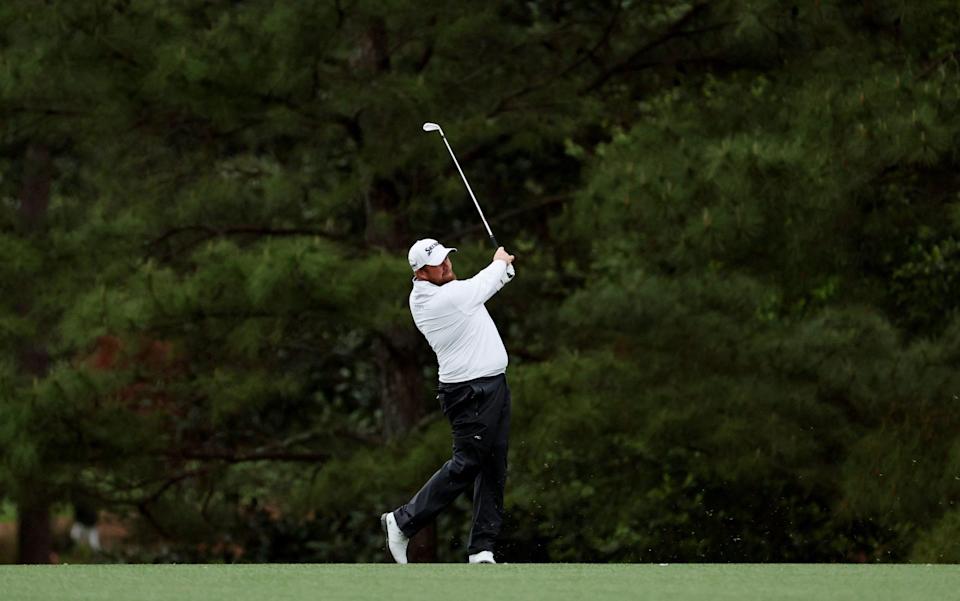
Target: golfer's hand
{"type": "Point", "coordinates": [502, 255]}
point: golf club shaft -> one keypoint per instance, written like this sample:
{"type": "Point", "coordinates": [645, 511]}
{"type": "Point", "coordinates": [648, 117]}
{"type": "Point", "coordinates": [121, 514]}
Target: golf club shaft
{"type": "Point", "coordinates": [434, 127]}
{"type": "Point", "coordinates": [470, 190]}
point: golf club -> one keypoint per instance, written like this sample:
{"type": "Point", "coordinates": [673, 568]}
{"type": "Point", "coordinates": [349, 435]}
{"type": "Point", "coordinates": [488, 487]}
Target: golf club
{"type": "Point", "coordinates": [428, 127]}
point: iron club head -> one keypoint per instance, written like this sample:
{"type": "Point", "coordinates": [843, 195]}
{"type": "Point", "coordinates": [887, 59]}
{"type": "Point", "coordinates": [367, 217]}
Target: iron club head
{"type": "Point", "coordinates": [430, 126]}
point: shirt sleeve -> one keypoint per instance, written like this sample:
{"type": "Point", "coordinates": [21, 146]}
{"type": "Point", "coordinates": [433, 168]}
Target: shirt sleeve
{"type": "Point", "coordinates": [470, 294]}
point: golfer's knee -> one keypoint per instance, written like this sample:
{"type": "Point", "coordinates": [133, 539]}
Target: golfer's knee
{"type": "Point", "coordinates": [464, 465]}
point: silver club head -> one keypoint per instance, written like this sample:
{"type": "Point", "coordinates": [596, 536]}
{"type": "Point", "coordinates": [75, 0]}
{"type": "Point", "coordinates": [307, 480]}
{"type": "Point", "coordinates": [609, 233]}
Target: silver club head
{"type": "Point", "coordinates": [430, 126]}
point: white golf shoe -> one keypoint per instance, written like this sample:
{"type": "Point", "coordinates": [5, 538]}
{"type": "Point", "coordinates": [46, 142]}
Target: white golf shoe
{"type": "Point", "coordinates": [396, 539]}
{"type": "Point", "coordinates": [482, 557]}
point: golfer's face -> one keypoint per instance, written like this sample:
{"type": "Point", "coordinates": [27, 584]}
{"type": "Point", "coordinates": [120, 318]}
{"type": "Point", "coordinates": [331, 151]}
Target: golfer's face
{"type": "Point", "coordinates": [442, 273]}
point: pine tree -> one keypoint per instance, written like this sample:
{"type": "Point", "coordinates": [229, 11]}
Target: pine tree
{"type": "Point", "coordinates": [735, 223]}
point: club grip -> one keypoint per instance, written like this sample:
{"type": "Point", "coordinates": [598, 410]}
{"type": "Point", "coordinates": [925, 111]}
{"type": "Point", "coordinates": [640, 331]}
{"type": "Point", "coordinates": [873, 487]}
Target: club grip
{"type": "Point", "coordinates": [510, 270]}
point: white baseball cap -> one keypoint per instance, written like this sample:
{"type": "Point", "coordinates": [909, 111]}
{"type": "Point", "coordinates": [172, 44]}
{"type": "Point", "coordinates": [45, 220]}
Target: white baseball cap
{"type": "Point", "coordinates": [427, 252]}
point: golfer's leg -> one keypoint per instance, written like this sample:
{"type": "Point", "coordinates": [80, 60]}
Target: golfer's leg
{"type": "Point", "coordinates": [441, 489]}
{"type": "Point", "coordinates": [491, 481]}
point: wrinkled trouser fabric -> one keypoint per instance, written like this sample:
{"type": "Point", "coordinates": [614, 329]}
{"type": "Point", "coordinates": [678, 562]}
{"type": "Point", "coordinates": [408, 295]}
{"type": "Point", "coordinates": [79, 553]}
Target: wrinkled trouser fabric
{"type": "Point", "coordinates": [479, 414]}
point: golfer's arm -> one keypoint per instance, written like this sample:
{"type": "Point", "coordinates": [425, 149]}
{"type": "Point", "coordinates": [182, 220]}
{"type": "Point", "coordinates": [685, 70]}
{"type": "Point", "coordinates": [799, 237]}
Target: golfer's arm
{"type": "Point", "coordinates": [473, 292]}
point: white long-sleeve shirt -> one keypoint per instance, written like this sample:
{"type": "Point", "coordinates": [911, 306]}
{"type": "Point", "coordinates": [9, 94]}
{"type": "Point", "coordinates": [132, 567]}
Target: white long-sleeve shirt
{"type": "Point", "coordinates": [457, 326]}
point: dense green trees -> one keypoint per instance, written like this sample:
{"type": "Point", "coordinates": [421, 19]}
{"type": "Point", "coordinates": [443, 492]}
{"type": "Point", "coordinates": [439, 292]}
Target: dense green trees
{"type": "Point", "coordinates": [733, 336]}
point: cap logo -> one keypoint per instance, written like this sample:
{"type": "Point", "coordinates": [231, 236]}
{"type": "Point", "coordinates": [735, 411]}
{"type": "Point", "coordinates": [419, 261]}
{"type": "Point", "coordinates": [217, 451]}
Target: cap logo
{"type": "Point", "coordinates": [430, 248]}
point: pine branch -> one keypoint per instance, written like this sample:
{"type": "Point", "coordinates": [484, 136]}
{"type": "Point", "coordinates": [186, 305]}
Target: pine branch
{"type": "Point", "coordinates": [170, 482]}
{"type": "Point", "coordinates": [210, 232]}
{"type": "Point", "coordinates": [424, 59]}
{"type": "Point", "coordinates": [604, 39]}
{"type": "Point", "coordinates": [273, 452]}
{"type": "Point", "coordinates": [674, 31]}
{"type": "Point", "coordinates": [148, 515]}
{"type": "Point", "coordinates": [955, 55]}
{"type": "Point", "coordinates": [46, 111]}
{"type": "Point", "coordinates": [229, 456]}
{"type": "Point", "coordinates": [506, 215]}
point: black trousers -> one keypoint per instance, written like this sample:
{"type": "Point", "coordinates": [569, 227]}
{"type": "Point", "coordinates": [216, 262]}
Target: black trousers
{"type": "Point", "coordinates": [479, 414]}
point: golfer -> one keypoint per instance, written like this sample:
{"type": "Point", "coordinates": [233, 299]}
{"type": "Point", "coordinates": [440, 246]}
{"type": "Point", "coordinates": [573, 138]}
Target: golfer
{"type": "Point", "coordinates": [473, 394]}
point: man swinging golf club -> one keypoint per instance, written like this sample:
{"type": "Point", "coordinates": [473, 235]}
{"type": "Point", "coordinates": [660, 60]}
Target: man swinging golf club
{"type": "Point", "coordinates": [473, 395]}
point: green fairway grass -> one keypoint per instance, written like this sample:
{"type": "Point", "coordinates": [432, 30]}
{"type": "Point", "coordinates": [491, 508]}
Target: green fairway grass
{"type": "Point", "coordinates": [445, 582]}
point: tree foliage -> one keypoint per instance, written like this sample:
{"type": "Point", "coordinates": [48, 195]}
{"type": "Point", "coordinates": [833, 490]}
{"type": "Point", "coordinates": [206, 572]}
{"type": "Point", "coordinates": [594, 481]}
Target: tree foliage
{"type": "Point", "coordinates": [733, 334]}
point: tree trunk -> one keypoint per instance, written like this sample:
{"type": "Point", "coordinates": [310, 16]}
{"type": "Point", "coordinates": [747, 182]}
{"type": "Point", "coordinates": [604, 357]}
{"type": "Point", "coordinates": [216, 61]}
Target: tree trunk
{"type": "Point", "coordinates": [34, 536]}
{"type": "Point", "coordinates": [401, 379]}
{"type": "Point", "coordinates": [35, 193]}
{"type": "Point", "coordinates": [423, 546]}
{"type": "Point", "coordinates": [396, 356]}
{"type": "Point", "coordinates": [401, 393]}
